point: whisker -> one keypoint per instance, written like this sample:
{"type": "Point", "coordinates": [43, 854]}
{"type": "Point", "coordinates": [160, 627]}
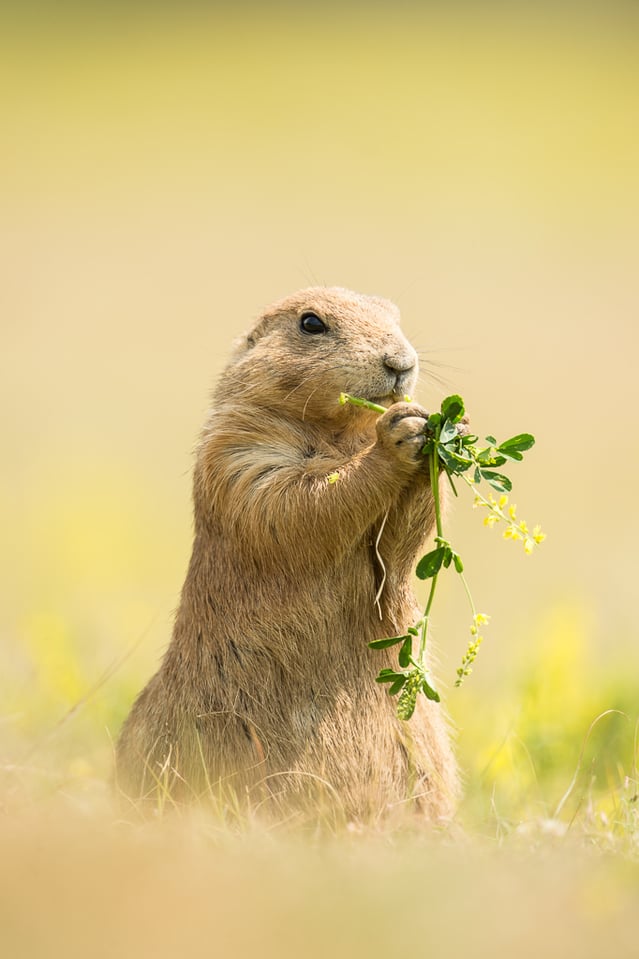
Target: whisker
{"type": "Point", "coordinates": [309, 274]}
{"type": "Point", "coordinates": [308, 399]}
{"type": "Point", "coordinates": [425, 361]}
{"type": "Point", "coordinates": [428, 377]}
{"type": "Point", "coordinates": [444, 349]}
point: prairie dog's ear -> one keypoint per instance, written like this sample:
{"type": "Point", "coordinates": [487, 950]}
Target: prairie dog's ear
{"type": "Point", "coordinates": [245, 343]}
{"type": "Point", "coordinates": [261, 327]}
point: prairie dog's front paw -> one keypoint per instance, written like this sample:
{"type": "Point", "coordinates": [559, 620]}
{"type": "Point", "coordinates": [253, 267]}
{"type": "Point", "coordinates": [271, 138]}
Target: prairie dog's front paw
{"type": "Point", "coordinates": [402, 432]}
{"type": "Point", "coordinates": [463, 427]}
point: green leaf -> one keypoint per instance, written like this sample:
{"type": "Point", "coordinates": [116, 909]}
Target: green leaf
{"type": "Point", "coordinates": [453, 460]}
{"type": "Point", "coordinates": [406, 652]}
{"type": "Point", "coordinates": [448, 557]}
{"type": "Point", "coordinates": [386, 642]}
{"type": "Point", "coordinates": [427, 447]}
{"type": "Point", "coordinates": [453, 408]}
{"type": "Point", "coordinates": [485, 457]}
{"type": "Point", "coordinates": [510, 455]}
{"type": "Point", "coordinates": [490, 457]}
{"type": "Point", "coordinates": [517, 444]}
{"type": "Point", "coordinates": [459, 452]}
{"type": "Point", "coordinates": [433, 421]}
{"type": "Point", "coordinates": [444, 454]}
{"type": "Point", "coordinates": [429, 692]}
{"type": "Point", "coordinates": [457, 560]}
{"type": "Point", "coordinates": [413, 631]}
{"type": "Point", "coordinates": [477, 476]}
{"type": "Point", "coordinates": [497, 480]}
{"type": "Point", "coordinates": [388, 676]}
{"type": "Point", "coordinates": [397, 685]}
{"type": "Point", "coordinates": [449, 432]}
{"type": "Point", "coordinates": [431, 563]}
{"type": "Point", "coordinates": [469, 440]}
{"type": "Point", "coordinates": [491, 440]}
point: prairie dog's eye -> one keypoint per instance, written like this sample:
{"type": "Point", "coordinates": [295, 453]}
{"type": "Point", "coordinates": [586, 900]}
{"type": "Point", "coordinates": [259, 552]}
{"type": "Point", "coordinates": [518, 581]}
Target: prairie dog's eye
{"type": "Point", "coordinates": [311, 323]}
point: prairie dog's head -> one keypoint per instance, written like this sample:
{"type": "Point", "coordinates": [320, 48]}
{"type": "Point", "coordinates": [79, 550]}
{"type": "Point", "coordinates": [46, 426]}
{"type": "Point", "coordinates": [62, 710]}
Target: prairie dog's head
{"type": "Point", "coordinates": [309, 347]}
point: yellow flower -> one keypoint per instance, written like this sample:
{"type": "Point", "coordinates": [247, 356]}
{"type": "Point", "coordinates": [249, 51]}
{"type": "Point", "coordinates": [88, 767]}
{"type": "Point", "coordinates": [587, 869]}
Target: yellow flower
{"type": "Point", "coordinates": [512, 511]}
{"type": "Point", "coordinates": [529, 545]}
{"type": "Point", "coordinates": [478, 502]}
{"type": "Point", "coordinates": [490, 520]}
{"type": "Point", "coordinates": [538, 536]}
{"type": "Point", "coordinates": [333, 477]}
{"type": "Point", "coordinates": [511, 532]}
{"type": "Point", "coordinates": [523, 526]}
{"type": "Point", "coordinates": [481, 619]}
{"type": "Point", "coordinates": [502, 501]}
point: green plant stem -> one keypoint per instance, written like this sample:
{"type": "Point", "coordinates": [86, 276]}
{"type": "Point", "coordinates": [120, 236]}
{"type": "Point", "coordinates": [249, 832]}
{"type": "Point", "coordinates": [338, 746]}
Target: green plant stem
{"type": "Point", "coordinates": [473, 487]}
{"type": "Point", "coordinates": [434, 483]}
{"type": "Point", "coordinates": [468, 594]}
{"type": "Point", "coordinates": [494, 508]}
{"type": "Point", "coordinates": [365, 404]}
{"type": "Point", "coordinates": [424, 624]}
{"type": "Point", "coordinates": [491, 506]}
{"type": "Point", "coordinates": [433, 465]}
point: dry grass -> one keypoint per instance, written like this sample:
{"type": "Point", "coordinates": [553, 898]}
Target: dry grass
{"type": "Point", "coordinates": [77, 881]}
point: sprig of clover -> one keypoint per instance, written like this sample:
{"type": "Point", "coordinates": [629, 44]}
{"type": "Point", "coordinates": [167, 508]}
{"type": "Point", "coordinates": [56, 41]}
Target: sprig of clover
{"type": "Point", "coordinates": [452, 453]}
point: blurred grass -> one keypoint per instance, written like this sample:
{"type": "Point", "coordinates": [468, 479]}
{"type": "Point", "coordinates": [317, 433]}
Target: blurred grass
{"type": "Point", "coordinates": [183, 891]}
{"type": "Point", "coordinates": [163, 175]}
{"type": "Point", "coordinates": [519, 743]}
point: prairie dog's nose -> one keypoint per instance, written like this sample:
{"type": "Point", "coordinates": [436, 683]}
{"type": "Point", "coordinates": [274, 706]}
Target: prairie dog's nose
{"type": "Point", "coordinates": [401, 361]}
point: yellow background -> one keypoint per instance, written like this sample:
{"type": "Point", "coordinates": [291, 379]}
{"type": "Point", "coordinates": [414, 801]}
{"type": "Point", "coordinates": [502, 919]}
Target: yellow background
{"type": "Point", "coordinates": [166, 172]}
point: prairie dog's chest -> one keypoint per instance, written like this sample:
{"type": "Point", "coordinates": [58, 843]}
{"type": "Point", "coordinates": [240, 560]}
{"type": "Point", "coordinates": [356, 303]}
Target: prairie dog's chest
{"type": "Point", "coordinates": [336, 448]}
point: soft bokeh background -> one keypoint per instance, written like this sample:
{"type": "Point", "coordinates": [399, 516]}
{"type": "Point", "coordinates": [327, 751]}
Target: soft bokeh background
{"type": "Point", "coordinates": [165, 172]}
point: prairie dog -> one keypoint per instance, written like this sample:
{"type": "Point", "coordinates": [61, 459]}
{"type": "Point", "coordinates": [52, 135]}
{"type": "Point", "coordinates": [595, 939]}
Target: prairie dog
{"type": "Point", "coordinates": [267, 690]}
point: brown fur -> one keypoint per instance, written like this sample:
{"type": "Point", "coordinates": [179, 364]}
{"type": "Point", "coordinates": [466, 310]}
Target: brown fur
{"type": "Point", "coordinates": [267, 691]}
